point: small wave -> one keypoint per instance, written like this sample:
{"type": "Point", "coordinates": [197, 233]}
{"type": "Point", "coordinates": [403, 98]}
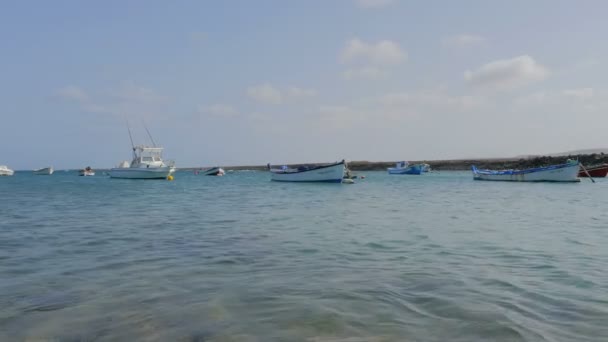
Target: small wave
{"type": "Point", "coordinates": [51, 302]}
{"type": "Point", "coordinates": [307, 250]}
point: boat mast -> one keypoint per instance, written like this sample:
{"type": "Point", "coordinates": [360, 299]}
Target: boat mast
{"type": "Point", "coordinates": [131, 138]}
{"type": "Point", "coordinates": [149, 135]}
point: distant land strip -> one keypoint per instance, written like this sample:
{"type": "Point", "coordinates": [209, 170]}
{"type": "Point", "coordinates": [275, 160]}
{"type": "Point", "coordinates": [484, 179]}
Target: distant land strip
{"type": "Point", "coordinates": [451, 165]}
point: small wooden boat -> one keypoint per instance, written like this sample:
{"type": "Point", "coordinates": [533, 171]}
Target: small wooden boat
{"type": "Point", "coordinates": [46, 171]}
{"type": "Point", "coordinates": [403, 168]}
{"type": "Point", "coordinates": [598, 171]}
{"type": "Point", "coordinates": [332, 173]}
{"type": "Point", "coordinates": [567, 172]}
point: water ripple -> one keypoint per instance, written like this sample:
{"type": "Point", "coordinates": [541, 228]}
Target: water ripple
{"type": "Point", "coordinates": [239, 258]}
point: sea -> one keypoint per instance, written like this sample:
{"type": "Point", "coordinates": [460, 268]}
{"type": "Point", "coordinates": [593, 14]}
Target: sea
{"type": "Point", "coordinates": [437, 257]}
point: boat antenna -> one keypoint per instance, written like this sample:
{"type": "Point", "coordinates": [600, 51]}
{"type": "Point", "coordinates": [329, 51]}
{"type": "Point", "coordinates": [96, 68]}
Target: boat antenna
{"type": "Point", "coordinates": [130, 136]}
{"type": "Point", "coordinates": [149, 135]}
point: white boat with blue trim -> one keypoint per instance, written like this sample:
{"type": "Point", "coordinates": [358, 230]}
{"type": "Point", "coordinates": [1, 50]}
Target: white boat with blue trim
{"type": "Point", "coordinates": [330, 173]}
{"type": "Point", "coordinates": [567, 172]}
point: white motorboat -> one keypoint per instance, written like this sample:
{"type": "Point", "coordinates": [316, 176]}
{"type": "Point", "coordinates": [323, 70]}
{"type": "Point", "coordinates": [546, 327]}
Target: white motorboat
{"type": "Point", "coordinates": [87, 171]}
{"type": "Point", "coordinates": [47, 171]}
{"type": "Point", "coordinates": [333, 173]}
{"type": "Point", "coordinates": [5, 171]}
{"type": "Point", "coordinates": [214, 171]}
{"type": "Point", "coordinates": [147, 163]}
{"type": "Point", "coordinates": [567, 172]}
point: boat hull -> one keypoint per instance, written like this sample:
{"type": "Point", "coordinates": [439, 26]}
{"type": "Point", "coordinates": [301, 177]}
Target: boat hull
{"type": "Point", "coordinates": [556, 173]}
{"type": "Point", "coordinates": [86, 173]}
{"type": "Point", "coordinates": [7, 172]}
{"type": "Point", "coordinates": [47, 171]}
{"type": "Point", "coordinates": [141, 173]}
{"type": "Point", "coordinates": [410, 170]}
{"type": "Point", "coordinates": [214, 171]}
{"type": "Point", "coordinates": [595, 172]}
{"type": "Point", "coordinates": [329, 174]}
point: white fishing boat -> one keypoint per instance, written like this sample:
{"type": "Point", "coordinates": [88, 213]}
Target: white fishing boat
{"type": "Point", "coordinates": [87, 171]}
{"type": "Point", "coordinates": [147, 163]}
{"type": "Point", "coordinates": [214, 171]}
{"type": "Point", "coordinates": [5, 171]}
{"type": "Point", "coordinates": [46, 171]}
{"type": "Point", "coordinates": [332, 173]}
{"type": "Point", "coordinates": [567, 172]}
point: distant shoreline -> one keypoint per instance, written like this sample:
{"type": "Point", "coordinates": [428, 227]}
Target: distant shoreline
{"type": "Point", "coordinates": [437, 165]}
{"type": "Point", "coordinates": [450, 165]}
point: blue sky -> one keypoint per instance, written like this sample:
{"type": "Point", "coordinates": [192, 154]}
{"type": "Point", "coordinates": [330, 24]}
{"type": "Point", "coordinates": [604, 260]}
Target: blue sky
{"type": "Point", "coordinates": [251, 82]}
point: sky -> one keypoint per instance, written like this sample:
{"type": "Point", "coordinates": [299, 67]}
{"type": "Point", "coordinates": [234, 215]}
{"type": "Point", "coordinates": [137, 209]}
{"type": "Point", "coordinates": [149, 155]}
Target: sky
{"type": "Point", "coordinates": [241, 82]}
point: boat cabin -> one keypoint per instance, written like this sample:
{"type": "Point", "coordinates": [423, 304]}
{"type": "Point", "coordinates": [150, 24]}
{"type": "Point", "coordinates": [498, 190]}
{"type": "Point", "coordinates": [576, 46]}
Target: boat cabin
{"type": "Point", "coordinates": [144, 156]}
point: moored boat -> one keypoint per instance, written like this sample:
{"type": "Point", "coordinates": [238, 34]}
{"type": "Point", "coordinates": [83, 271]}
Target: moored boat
{"type": "Point", "coordinates": [332, 173]}
{"type": "Point", "coordinates": [567, 172]}
{"type": "Point", "coordinates": [598, 171]}
{"type": "Point", "coordinates": [5, 171]}
{"type": "Point", "coordinates": [404, 168]}
{"type": "Point", "coordinates": [213, 171]}
{"type": "Point", "coordinates": [87, 171]}
{"type": "Point", "coordinates": [147, 163]}
{"type": "Point", "coordinates": [46, 171]}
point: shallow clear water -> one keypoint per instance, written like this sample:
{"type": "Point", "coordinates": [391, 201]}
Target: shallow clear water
{"type": "Point", "coordinates": [437, 257]}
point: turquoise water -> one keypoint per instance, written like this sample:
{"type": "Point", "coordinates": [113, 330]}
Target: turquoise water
{"type": "Point", "coordinates": [437, 257]}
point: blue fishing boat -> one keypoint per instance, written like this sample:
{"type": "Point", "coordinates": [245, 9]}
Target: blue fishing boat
{"type": "Point", "coordinates": [403, 168]}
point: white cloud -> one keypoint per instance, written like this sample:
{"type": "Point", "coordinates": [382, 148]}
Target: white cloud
{"type": "Point", "coordinates": [384, 52]}
{"type": "Point", "coordinates": [221, 110]}
{"type": "Point", "coordinates": [72, 93]}
{"type": "Point", "coordinates": [433, 99]}
{"type": "Point", "coordinates": [580, 93]}
{"type": "Point", "coordinates": [537, 98]}
{"type": "Point", "coordinates": [125, 99]}
{"type": "Point", "coordinates": [400, 106]}
{"type": "Point", "coordinates": [562, 98]}
{"type": "Point", "coordinates": [374, 3]}
{"type": "Point", "coordinates": [265, 93]}
{"type": "Point", "coordinates": [260, 117]}
{"type": "Point", "coordinates": [268, 94]}
{"type": "Point", "coordinates": [298, 93]}
{"type": "Point", "coordinates": [335, 110]}
{"type": "Point", "coordinates": [507, 73]}
{"type": "Point", "coordinates": [130, 92]}
{"type": "Point", "coordinates": [366, 73]}
{"type": "Point", "coordinates": [95, 108]}
{"type": "Point", "coordinates": [463, 40]}
{"type": "Point", "coordinates": [337, 116]}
